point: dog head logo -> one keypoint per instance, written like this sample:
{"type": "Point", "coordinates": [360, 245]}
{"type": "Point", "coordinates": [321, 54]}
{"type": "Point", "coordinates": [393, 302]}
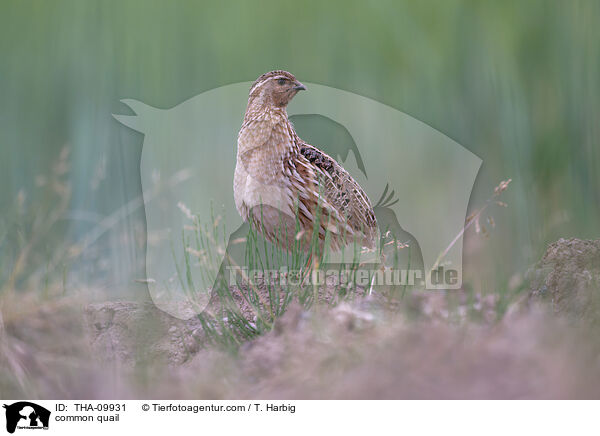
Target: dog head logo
{"type": "Point", "coordinates": [26, 415]}
{"type": "Point", "coordinates": [419, 180]}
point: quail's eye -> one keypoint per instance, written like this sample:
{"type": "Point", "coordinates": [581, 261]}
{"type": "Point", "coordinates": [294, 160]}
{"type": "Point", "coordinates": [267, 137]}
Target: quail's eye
{"type": "Point", "coordinates": [281, 81]}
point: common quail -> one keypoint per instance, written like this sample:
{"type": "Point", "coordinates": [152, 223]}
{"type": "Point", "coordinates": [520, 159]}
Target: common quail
{"type": "Point", "coordinates": [289, 189]}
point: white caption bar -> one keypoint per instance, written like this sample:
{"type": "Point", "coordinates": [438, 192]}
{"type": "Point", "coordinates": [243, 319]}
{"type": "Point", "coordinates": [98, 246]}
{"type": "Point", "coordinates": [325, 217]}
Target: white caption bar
{"type": "Point", "coordinates": [299, 417]}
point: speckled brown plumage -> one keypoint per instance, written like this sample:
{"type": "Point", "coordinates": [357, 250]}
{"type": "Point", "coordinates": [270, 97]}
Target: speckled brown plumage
{"type": "Point", "coordinates": [283, 185]}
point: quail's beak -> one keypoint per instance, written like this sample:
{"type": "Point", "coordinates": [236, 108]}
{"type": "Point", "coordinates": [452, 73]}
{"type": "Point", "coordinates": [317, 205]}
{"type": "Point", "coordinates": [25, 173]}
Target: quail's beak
{"type": "Point", "coordinates": [299, 87]}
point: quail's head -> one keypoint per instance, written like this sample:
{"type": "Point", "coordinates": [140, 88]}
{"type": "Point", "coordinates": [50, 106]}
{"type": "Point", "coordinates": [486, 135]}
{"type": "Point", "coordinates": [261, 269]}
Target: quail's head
{"type": "Point", "coordinates": [275, 88]}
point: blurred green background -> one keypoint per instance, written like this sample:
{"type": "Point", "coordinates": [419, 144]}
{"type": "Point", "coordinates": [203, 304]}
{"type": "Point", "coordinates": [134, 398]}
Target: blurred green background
{"type": "Point", "coordinates": [517, 83]}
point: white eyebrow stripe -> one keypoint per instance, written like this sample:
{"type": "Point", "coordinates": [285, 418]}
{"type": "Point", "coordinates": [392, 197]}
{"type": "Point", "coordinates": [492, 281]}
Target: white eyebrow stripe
{"type": "Point", "coordinates": [281, 76]}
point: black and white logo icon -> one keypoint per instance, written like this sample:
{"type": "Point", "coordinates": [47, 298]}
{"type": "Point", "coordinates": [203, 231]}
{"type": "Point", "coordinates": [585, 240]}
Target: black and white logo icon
{"type": "Point", "coordinates": [26, 415]}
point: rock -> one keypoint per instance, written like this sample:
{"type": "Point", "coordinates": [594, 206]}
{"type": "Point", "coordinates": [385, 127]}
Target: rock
{"type": "Point", "coordinates": [569, 277]}
{"type": "Point", "coordinates": [290, 320]}
{"type": "Point", "coordinates": [131, 332]}
{"type": "Point", "coordinates": [352, 317]}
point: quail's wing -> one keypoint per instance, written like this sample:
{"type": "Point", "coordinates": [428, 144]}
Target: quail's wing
{"type": "Point", "coordinates": [341, 196]}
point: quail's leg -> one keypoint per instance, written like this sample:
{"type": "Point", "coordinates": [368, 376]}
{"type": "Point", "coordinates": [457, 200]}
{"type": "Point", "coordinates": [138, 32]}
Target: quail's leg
{"type": "Point", "coordinates": [306, 270]}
